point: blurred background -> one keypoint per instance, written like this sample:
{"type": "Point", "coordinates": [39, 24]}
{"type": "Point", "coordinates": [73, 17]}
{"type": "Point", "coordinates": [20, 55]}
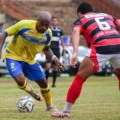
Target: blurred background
{"type": "Point", "coordinates": [11, 11]}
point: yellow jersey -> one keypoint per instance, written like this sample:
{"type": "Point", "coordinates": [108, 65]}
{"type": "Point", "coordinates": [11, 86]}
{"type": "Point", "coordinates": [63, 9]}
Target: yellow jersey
{"type": "Point", "coordinates": [26, 41]}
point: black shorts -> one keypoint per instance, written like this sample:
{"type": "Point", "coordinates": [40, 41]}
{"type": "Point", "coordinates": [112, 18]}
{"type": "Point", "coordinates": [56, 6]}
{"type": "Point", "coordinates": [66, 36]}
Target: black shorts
{"type": "Point", "coordinates": [56, 52]}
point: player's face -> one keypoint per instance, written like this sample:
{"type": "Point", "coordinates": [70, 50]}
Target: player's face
{"type": "Point", "coordinates": [42, 26]}
{"type": "Point", "coordinates": [55, 22]}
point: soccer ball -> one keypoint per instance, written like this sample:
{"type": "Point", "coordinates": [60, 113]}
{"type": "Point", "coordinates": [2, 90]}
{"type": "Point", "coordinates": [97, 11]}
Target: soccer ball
{"type": "Point", "coordinates": [25, 104]}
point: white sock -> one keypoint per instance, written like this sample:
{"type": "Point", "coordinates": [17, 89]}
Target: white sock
{"type": "Point", "coordinates": [49, 105]}
{"type": "Point", "coordinates": [67, 107]}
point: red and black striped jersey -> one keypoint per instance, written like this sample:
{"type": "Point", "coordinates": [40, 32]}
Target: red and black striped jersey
{"type": "Point", "coordinates": [100, 31]}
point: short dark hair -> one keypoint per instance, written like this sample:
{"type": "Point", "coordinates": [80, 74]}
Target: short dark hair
{"type": "Point", "coordinates": [84, 7]}
{"type": "Point", "coordinates": [54, 17]}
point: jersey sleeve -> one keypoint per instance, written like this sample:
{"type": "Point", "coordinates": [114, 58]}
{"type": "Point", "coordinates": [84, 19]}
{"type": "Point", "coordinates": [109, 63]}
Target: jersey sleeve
{"type": "Point", "coordinates": [77, 23]}
{"type": "Point", "coordinates": [115, 22]}
{"type": "Point", "coordinates": [50, 32]}
{"type": "Point", "coordinates": [13, 30]}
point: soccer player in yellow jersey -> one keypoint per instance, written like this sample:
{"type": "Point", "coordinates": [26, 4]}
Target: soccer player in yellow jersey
{"type": "Point", "coordinates": [29, 38]}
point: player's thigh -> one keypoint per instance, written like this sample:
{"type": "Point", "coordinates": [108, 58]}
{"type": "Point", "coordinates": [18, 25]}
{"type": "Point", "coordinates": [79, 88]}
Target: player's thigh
{"type": "Point", "coordinates": [86, 68]}
{"type": "Point", "coordinates": [56, 52]}
{"type": "Point", "coordinates": [115, 61]}
{"type": "Point", "coordinates": [34, 72]}
{"type": "Point", "coordinates": [94, 62]}
{"type": "Point", "coordinates": [48, 66]}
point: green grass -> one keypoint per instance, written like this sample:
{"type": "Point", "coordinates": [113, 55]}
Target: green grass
{"type": "Point", "coordinates": [99, 100]}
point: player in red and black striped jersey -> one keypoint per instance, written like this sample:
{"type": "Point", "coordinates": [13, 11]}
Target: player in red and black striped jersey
{"type": "Point", "coordinates": [101, 33]}
{"type": "Point", "coordinates": [99, 29]}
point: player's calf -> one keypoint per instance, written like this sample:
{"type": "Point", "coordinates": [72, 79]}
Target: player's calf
{"type": "Point", "coordinates": [31, 91]}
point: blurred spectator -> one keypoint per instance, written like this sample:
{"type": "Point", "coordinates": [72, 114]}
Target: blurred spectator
{"type": "Point", "coordinates": [66, 59]}
{"type": "Point", "coordinates": [57, 38]}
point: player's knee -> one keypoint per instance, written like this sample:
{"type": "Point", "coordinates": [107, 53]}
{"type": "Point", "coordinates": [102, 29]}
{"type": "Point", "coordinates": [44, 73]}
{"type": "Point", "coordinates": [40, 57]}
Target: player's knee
{"type": "Point", "coordinates": [83, 74]}
{"type": "Point", "coordinates": [20, 80]}
{"type": "Point", "coordinates": [47, 68]}
{"type": "Point", "coordinates": [42, 83]}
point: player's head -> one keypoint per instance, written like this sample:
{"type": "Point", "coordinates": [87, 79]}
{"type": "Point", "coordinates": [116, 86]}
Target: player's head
{"type": "Point", "coordinates": [84, 7]}
{"type": "Point", "coordinates": [54, 21]}
{"type": "Point", "coordinates": [43, 21]}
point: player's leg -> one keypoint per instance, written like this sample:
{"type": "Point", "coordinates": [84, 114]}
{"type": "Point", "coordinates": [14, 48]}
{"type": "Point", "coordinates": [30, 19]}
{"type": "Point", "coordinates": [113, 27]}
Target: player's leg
{"type": "Point", "coordinates": [15, 69]}
{"type": "Point", "coordinates": [116, 65]}
{"type": "Point", "coordinates": [35, 73]}
{"type": "Point", "coordinates": [20, 78]}
{"type": "Point", "coordinates": [86, 69]}
{"type": "Point", "coordinates": [54, 73]}
{"type": "Point", "coordinates": [48, 66]}
{"type": "Point", "coordinates": [117, 72]}
{"type": "Point", "coordinates": [46, 93]}
{"type": "Point", "coordinates": [89, 66]}
{"type": "Point", "coordinates": [55, 67]}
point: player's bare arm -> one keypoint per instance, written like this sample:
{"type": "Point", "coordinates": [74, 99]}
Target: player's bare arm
{"type": "Point", "coordinates": [48, 52]}
{"type": "Point", "coordinates": [118, 24]}
{"type": "Point", "coordinates": [75, 43]}
{"type": "Point", "coordinates": [2, 40]}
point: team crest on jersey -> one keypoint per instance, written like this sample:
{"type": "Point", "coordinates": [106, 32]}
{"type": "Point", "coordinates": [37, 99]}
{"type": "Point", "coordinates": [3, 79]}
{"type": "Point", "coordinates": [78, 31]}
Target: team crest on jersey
{"type": "Point", "coordinates": [29, 32]}
{"type": "Point", "coordinates": [58, 34]}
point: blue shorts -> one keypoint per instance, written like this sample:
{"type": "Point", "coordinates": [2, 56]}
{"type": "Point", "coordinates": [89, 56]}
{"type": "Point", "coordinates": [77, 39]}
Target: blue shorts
{"type": "Point", "coordinates": [32, 72]}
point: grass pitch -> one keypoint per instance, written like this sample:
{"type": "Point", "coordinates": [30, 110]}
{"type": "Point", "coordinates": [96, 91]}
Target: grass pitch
{"type": "Point", "coordinates": [99, 100]}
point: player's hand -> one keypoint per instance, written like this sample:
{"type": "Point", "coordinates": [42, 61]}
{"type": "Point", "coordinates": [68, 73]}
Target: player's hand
{"type": "Point", "coordinates": [73, 60]}
{"type": "Point", "coordinates": [57, 62]}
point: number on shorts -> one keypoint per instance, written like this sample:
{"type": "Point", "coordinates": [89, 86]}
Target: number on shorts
{"type": "Point", "coordinates": [12, 65]}
{"type": "Point", "coordinates": [103, 25]}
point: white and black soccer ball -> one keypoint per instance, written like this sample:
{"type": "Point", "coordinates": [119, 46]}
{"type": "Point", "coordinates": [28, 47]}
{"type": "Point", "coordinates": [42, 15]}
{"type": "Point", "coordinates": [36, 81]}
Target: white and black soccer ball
{"type": "Point", "coordinates": [25, 104]}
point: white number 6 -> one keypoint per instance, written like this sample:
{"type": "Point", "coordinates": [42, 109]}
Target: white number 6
{"type": "Point", "coordinates": [102, 25]}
